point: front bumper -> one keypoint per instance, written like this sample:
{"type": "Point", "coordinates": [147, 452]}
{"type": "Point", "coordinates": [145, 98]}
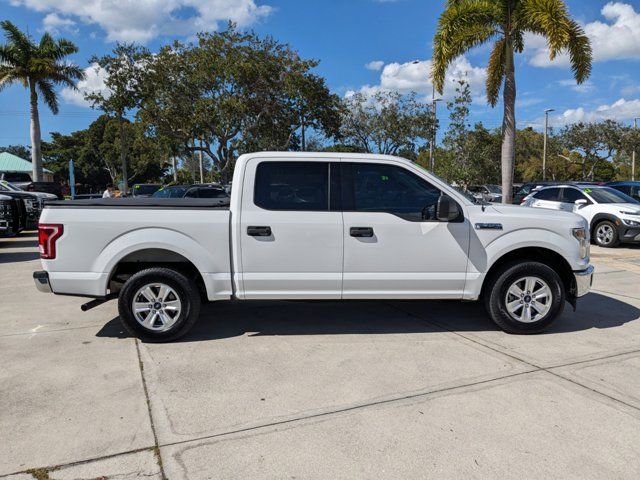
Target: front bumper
{"type": "Point", "coordinates": [628, 234]}
{"type": "Point", "coordinates": [41, 279]}
{"type": "Point", "coordinates": [584, 280]}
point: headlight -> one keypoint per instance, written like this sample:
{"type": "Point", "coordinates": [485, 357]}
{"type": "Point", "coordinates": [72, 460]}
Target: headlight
{"type": "Point", "coordinates": [31, 204]}
{"type": "Point", "coordinates": [630, 223]}
{"type": "Point", "coordinates": [582, 235]}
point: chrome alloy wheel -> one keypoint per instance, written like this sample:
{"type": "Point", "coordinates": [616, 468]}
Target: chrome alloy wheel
{"type": "Point", "coordinates": [528, 299]}
{"type": "Point", "coordinates": [604, 234]}
{"type": "Point", "coordinates": [156, 306]}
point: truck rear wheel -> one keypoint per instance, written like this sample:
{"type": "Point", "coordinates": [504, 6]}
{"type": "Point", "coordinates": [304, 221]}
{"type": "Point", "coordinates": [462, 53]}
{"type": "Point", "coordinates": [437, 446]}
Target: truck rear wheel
{"type": "Point", "coordinates": [159, 305]}
{"type": "Point", "coordinates": [525, 297]}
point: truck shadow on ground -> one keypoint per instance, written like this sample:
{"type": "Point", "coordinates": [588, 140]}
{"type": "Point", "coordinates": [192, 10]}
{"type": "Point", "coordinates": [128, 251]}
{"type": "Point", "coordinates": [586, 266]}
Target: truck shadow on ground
{"type": "Point", "coordinates": [13, 257]}
{"type": "Point", "coordinates": [258, 318]}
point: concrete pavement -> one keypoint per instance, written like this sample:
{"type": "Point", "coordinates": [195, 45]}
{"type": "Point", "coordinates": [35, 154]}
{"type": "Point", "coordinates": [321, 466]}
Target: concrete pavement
{"type": "Point", "coordinates": [320, 389]}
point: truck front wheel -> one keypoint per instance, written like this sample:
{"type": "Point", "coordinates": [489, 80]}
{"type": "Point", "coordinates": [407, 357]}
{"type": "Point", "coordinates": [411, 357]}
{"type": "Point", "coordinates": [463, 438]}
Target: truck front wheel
{"type": "Point", "coordinates": [159, 305]}
{"type": "Point", "coordinates": [524, 297]}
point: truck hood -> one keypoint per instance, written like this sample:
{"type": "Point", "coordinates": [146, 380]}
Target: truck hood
{"type": "Point", "coordinates": [535, 213]}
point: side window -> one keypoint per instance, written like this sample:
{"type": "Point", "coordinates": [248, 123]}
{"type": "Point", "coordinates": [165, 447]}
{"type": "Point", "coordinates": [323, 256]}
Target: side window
{"type": "Point", "coordinates": [212, 193]}
{"type": "Point", "coordinates": [635, 192]}
{"type": "Point", "coordinates": [391, 189]}
{"type": "Point", "coordinates": [191, 193]}
{"type": "Point", "coordinates": [570, 195]}
{"type": "Point", "coordinates": [550, 194]}
{"type": "Point", "coordinates": [292, 186]}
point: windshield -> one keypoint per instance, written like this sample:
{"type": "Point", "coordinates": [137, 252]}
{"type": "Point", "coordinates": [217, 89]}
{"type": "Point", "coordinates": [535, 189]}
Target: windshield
{"type": "Point", "coordinates": [145, 189]}
{"type": "Point", "coordinates": [170, 192]}
{"type": "Point", "coordinates": [494, 189]}
{"type": "Point", "coordinates": [608, 195]}
{"type": "Point", "coordinates": [9, 187]}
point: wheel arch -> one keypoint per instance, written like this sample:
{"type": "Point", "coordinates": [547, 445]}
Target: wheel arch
{"type": "Point", "coordinates": [537, 254]}
{"type": "Point", "coordinates": [598, 217]}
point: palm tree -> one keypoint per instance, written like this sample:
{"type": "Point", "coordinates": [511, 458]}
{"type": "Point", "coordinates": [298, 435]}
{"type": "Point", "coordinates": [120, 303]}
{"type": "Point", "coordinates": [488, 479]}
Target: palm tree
{"type": "Point", "coordinates": [38, 67]}
{"type": "Point", "coordinates": [466, 24]}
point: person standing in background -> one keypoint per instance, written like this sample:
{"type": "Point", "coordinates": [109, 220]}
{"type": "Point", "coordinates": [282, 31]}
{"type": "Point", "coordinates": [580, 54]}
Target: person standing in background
{"type": "Point", "coordinates": [108, 193]}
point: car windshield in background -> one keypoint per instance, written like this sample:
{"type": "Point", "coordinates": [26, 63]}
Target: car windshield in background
{"type": "Point", "coordinates": [170, 192]}
{"type": "Point", "coordinates": [9, 187]}
{"type": "Point", "coordinates": [494, 189]}
{"type": "Point", "coordinates": [145, 189]}
{"type": "Point", "coordinates": [608, 195]}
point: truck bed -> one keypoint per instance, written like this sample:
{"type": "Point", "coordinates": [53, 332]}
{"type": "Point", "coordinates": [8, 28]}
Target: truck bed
{"type": "Point", "coordinates": [190, 203]}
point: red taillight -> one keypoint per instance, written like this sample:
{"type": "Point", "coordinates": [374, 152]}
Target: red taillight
{"type": "Point", "coordinates": [48, 233]}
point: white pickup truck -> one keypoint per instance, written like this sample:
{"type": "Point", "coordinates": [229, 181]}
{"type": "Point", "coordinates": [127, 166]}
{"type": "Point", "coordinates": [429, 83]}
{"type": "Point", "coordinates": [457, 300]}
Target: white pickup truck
{"type": "Point", "coordinates": [315, 226]}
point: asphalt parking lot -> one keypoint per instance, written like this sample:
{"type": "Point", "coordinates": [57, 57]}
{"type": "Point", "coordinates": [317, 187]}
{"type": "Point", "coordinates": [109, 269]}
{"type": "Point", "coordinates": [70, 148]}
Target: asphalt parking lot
{"type": "Point", "coordinates": [320, 389]}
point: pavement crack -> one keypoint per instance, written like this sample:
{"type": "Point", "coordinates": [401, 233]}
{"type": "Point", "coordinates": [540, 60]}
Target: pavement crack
{"type": "Point", "coordinates": [533, 365]}
{"type": "Point", "coordinates": [156, 448]}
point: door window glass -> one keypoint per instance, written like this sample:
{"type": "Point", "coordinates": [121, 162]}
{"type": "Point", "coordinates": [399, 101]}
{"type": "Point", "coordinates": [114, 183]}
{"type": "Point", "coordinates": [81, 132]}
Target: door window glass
{"type": "Point", "coordinates": [550, 194]}
{"type": "Point", "coordinates": [395, 190]}
{"type": "Point", "coordinates": [292, 186]}
{"type": "Point", "coordinates": [570, 195]}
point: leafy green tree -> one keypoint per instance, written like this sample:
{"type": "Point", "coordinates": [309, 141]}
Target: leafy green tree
{"type": "Point", "coordinates": [234, 92]}
{"type": "Point", "coordinates": [21, 151]}
{"type": "Point", "coordinates": [124, 68]}
{"type": "Point", "coordinates": [466, 24]}
{"type": "Point", "coordinates": [386, 123]}
{"type": "Point", "coordinates": [40, 67]}
{"type": "Point", "coordinates": [591, 145]}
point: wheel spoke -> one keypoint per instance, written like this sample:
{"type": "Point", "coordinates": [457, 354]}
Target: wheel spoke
{"type": "Point", "coordinates": [150, 320]}
{"type": "Point", "coordinates": [148, 293]}
{"type": "Point", "coordinates": [526, 314]}
{"type": "Point", "coordinates": [515, 305]}
{"type": "Point", "coordinates": [515, 290]}
{"type": "Point", "coordinates": [163, 292]}
{"type": "Point", "coordinates": [529, 284]}
{"type": "Point", "coordinates": [172, 305]}
{"type": "Point", "coordinates": [141, 307]}
{"type": "Point", "coordinates": [541, 293]}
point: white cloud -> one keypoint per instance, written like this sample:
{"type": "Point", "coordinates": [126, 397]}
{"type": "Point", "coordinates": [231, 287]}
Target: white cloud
{"type": "Point", "coordinates": [93, 83]}
{"type": "Point", "coordinates": [620, 110]}
{"type": "Point", "coordinates": [416, 77]}
{"type": "Point", "coordinates": [143, 20]}
{"type": "Point", "coordinates": [585, 87]}
{"type": "Point", "coordinates": [55, 24]}
{"type": "Point", "coordinates": [616, 39]}
{"type": "Point", "coordinates": [376, 65]}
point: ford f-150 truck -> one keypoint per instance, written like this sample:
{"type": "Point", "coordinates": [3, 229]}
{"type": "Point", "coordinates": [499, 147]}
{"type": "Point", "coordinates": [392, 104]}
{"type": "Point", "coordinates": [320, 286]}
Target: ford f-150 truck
{"type": "Point", "coordinates": [315, 226]}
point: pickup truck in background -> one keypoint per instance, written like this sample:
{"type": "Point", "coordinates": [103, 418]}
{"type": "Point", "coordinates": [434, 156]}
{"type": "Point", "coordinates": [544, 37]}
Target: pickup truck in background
{"type": "Point", "coordinates": [321, 226]}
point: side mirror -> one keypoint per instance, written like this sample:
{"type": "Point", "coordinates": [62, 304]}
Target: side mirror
{"type": "Point", "coordinates": [447, 209]}
{"type": "Point", "coordinates": [578, 204]}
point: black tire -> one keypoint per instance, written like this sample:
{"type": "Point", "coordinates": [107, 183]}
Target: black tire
{"type": "Point", "coordinates": [184, 289]}
{"type": "Point", "coordinates": [608, 242]}
{"type": "Point", "coordinates": [495, 296]}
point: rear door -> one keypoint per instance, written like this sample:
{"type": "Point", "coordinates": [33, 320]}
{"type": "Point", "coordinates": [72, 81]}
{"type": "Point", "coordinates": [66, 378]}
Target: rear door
{"type": "Point", "coordinates": [291, 229]}
{"type": "Point", "coordinates": [393, 245]}
{"type": "Point", "coordinates": [547, 198]}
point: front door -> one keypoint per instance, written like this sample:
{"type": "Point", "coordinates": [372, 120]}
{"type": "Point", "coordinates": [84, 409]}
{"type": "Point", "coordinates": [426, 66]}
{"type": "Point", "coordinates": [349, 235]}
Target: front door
{"type": "Point", "coordinates": [393, 245]}
{"type": "Point", "coordinates": [291, 230]}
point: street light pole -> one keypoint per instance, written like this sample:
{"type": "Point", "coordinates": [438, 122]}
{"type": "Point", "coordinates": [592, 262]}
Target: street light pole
{"type": "Point", "coordinates": [544, 145]}
{"type": "Point", "coordinates": [633, 153]}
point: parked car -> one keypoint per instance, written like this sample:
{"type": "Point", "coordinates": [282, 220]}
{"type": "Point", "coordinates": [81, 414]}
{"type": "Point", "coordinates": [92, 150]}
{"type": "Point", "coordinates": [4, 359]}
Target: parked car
{"type": "Point", "coordinates": [314, 226]}
{"type": "Point", "coordinates": [613, 216]}
{"type": "Point", "coordinates": [13, 216]}
{"type": "Point", "coordinates": [487, 193]}
{"type": "Point", "coordinates": [208, 190]}
{"type": "Point", "coordinates": [171, 191]}
{"type": "Point", "coordinates": [144, 189]}
{"type": "Point", "coordinates": [530, 187]}
{"type": "Point", "coordinates": [23, 181]}
{"type": "Point", "coordinates": [32, 204]}
{"type": "Point", "coordinates": [628, 188]}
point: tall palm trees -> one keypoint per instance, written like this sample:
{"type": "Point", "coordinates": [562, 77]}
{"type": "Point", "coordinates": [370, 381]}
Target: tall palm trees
{"type": "Point", "coordinates": [466, 24]}
{"type": "Point", "coordinates": [40, 68]}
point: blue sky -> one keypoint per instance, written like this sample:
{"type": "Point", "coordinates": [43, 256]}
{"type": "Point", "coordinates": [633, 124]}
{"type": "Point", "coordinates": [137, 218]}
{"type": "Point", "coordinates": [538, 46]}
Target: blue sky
{"type": "Point", "coordinates": [363, 45]}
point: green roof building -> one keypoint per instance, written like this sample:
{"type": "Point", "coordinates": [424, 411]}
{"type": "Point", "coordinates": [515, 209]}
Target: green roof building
{"type": "Point", "coordinates": [10, 163]}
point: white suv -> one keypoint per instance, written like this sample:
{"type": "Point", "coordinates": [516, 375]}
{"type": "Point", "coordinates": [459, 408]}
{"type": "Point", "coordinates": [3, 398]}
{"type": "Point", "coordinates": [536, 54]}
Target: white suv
{"type": "Point", "coordinates": [613, 216]}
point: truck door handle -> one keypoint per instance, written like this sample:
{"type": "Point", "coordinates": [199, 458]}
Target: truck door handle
{"type": "Point", "coordinates": [361, 232]}
{"type": "Point", "coordinates": [259, 231]}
